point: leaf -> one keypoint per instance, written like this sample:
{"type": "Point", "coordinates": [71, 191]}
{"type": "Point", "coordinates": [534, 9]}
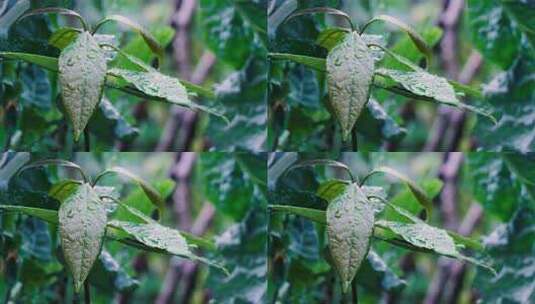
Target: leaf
{"type": "Point", "coordinates": [323, 10]}
{"type": "Point", "coordinates": [55, 162]}
{"type": "Point", "coordinates": [430, 87]}
{"type": "Point", "coordinates": [312, 62]}
{"type": "Point", "coordinates": [149, 190]}
{"type": "Point", "coordinates": [510, 93]}
{"type": "Point", "coordinates": [47, 62]}
{"type": "Point", "coordinates": [36, 89]}
{"type": "Point", "coordinates": [156, 236]}
{"type": "Point", "coordinates": [147, 36]}
{"type": "Point", "coordinates": [493, 32]}
{"type": "Point", "coordinates": [415, 37]}
{"type": "Point", "coordinates": [331, 37]}
{"type": "Point", "coordinates": [321, 162]}
{"type": "Point", "coordinates": [82, 74]}
{"type": "Point", "coordinates": [511, 248]}
{"type": "Point", "coordinates": [427, 237]}
{"type": "Point", "coordinates": [63, 37]}
{"type": "Point", "coordinates": [109, 276]}
{"type": "Point", "coordinates": [405, 199]}
{"type": "Point", "coordinates": [47, 215]}
{"type": "Point", "coordinates": [309, 213]}
{"type": "Point", "coordinates": [418, 193]}
{"type": "Point", "coordinates": [167, 88]}
{"type": "Point", "coordinates": [82, 226]}
{"type": "Point", "coordinates": [350, 219]}
{"type": "Point", "coordinates": [55, 10]}
{"type": "Point", "coordinates": [350, 69]}
{"type": "Point", "coordinates": [330, 189]}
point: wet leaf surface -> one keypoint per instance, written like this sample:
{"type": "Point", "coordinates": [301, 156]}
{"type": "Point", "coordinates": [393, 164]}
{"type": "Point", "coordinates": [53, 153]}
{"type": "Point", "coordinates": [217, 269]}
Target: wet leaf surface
{"type": "Point", "coordinates": [350, 69]}
{"type": "Point", "coordinates": [82, 73]}
{"type": "Point", "coordinates": [82, 225]}
{"type": "Point", "coordinates": [350, 218]}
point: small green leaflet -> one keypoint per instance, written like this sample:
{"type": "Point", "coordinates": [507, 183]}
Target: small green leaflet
{"type": "Point", "coordinates": [350, 220]}
{"type": "Point", "coordinates": [82, 74]}
{"type": "Point", "coordinates": [350, 69]}
{"type": "Point", "coordinates": [82, 226]}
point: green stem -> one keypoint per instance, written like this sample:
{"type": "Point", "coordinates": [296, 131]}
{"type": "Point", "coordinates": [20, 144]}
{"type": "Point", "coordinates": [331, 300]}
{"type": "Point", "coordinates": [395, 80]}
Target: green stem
{"type": "Point", "coordinates": [87, 292]}
{"type": "Point", "coordinates": [87, 140]}
{"type": "Point", "coordinates": [354, 291]}
{"type": "Point", "coordinates": [354, 140]}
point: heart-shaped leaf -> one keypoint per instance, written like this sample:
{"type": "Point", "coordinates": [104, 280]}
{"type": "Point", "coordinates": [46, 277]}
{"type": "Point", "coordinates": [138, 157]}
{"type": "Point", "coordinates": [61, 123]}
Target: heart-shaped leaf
{"type": "Point", "coordinates": [82, 226]}
{"type": "Point", "coordinates": [350, 219]}
{"type": "Point", "coordinates": [350, 69]}
{"type": "Point", "coordinates": [82, 74]}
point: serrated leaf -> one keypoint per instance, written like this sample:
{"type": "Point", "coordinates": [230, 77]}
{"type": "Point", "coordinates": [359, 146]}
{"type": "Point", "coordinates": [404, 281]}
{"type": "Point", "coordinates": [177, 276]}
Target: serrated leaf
{"type": "Point", "coordinates": [82, 226]}
{"type": "Point", "coordinates": [156, 236]}
{"type": "Point", "coordinates": [167, 88]}
{"type": "Point", "coordinates": [432, 87]}
{"type": "Point", "coordinates": [424, 236]}
{"type": "Point", "coordinates": [82, 74]}
{"type": "Point", "coordinates": [350, 69]}
{"type": "Point", "coordinates": [350, 219]}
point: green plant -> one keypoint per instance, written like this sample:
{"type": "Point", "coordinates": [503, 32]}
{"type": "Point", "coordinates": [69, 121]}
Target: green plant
{"type": "Point", "coordinates": [88, 214]}
{"type": "Point", "coordinates": [355, 215]}
{"type": "Point", "coordinates": [83, 67]}
{"type": "Point", "coordinates": [353, 65]}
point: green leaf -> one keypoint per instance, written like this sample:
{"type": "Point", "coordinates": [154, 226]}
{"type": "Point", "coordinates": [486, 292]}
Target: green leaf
{"type": "Point", "coordinates": [63, 37]}
{"type": "Point", "coordinates": [64, 189]}
{"type": "Point", "coordinates": [320, 162]}
{"type": "Point", "coordinates": [330, 189]}
{"type": "Point", "coordinates": [147, 36]}
{"type": "Point", "coordinates": [322, 10]}
{"type": "Point", "coordinates": [510, 93]}
{"type": "Point", "coordinates": [82, 74]}
{"type": "Point", "coordinates": [493, 32]}
{"type": "Point", "coordinates": [312, 62]}
{"type": "Point", "coordinates": [511, 248]}
{"type": "Point", "coordinates": [418, 41]}
{"type": "Point", "coordinates": [55, 10]}
{"type": "Point", "coordinates": [109, 276]}
{"type": "Point", "coordinates": [350, 69]}
{"type": "Point", "coordinates": [427, 237]}
{"type": "Point", "coordinates": [49, 63]}
{"type": "Point", "coordinates": [430, 87]}
{"type": "Point", "coordinates": [47, 215]}
{"type": "Point", "coordinates": [331, 37]}
{"type": "Point", "coordinates": [350, 219]}
{"type": "Point", "coordinates": [148, 189]}
{"type": "Point", "coordinates": [156, 236]}
{"type": "Point", "coordinates": [54, 162]}
{"type": "Point", "coordinates": [405, 46]}
{"type": "Point", "coordinates": [164, 87]}
{"type": "Point", "coordinates": [406, 199]}
{"type": "Point", "coordinates": [82, 226]}
{"type": "Point", "coordinates": [418, 193]}
{"type": "Point", "coordinates": [309, 213]}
